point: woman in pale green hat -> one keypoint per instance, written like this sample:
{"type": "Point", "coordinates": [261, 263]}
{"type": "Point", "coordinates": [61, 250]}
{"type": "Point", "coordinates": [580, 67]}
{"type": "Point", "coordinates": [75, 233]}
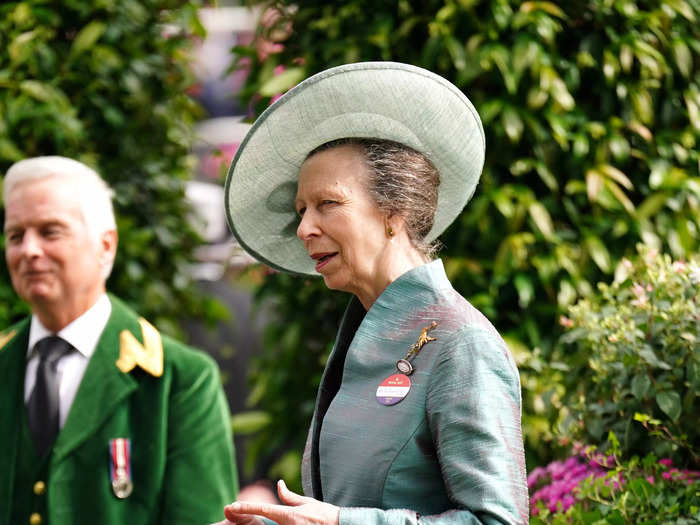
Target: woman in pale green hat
{"type": "Point", "coordinates": [352, 175]}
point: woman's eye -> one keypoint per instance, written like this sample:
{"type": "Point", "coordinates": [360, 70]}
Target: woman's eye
{"type": "Point", "coordinates": [301, 211]}
{"type": "Point", "coordinates": [327, 201]}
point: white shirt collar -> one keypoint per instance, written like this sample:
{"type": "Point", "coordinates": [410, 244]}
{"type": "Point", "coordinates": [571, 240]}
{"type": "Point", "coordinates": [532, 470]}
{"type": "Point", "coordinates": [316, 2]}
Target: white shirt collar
{"type": "Point", "coordinates": [83, 333]}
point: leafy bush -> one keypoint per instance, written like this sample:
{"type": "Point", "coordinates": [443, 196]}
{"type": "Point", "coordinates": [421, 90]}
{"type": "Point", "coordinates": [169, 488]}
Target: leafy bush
{"type": "Point", "coordinates": [592, 117]}
{"type": "Point", "coordinates": [634, 352]}
{"type": "Point", "coordinates": [105, 82]}
{"type": "Point", "coordinates": [593, 488]}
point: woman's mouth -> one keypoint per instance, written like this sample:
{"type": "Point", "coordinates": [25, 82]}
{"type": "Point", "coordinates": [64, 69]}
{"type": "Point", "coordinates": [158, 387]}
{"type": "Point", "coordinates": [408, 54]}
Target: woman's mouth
{"type": "Point", "coordinates": [322, 259]}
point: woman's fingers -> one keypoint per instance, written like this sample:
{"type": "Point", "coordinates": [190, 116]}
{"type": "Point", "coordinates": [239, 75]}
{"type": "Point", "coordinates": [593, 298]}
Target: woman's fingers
{"type": "Point", "coordinates": [279, 513]}
{"type": "Point", "coordinates": [290, 498]}
{"type": "Point", "coordinates": [295, 510]}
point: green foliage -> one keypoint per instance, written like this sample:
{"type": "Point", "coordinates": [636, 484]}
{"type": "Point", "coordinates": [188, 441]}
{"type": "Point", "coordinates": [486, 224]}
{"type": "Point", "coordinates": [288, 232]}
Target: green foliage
{"type": "Point", "coordinates": [645, 491]}
{"type": "Point", "coordinates": [285, 377]}
{"type": "Point", "coordinates": [634, 352]}
{"type": "Point", "coordinates": [105, 82]}
{"type": "Point", "coordinates": [592, 116]}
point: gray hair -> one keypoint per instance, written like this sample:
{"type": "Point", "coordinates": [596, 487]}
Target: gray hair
{"type": "Point", "coordinates": [402, 181]}
{"type": "Point", "coordinates": [94, 193]}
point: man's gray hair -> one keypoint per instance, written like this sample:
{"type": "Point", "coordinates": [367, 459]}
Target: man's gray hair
{"type": "Point", "coordinates": [94, 193]}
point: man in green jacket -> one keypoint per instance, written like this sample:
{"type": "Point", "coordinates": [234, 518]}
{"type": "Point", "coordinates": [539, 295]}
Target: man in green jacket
{"type": "Point", "coordinates": [102, 419]}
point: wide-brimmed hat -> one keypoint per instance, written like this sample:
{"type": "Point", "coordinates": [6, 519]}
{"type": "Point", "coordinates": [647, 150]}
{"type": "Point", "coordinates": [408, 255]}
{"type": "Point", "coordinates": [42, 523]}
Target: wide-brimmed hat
{"type": "Point", "coordinates": [382, 100]}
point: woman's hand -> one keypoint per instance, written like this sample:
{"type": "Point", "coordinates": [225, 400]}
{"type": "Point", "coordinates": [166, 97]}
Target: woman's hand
{"type": "Point", "coordinates": [297, 510]}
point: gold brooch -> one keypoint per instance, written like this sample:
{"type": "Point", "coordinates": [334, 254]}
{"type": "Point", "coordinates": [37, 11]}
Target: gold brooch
{"type": "Point", "coordinates": [404, 365]}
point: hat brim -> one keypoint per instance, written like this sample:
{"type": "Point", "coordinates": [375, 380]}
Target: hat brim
{"type": "Point", "coordinates": [382, 100]}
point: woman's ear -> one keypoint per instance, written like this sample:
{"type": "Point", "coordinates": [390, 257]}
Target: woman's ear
{"type": "Point", "coordinates": [393, 225]}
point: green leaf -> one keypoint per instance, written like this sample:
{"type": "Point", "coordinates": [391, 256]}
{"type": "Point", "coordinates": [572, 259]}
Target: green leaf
{"type": "Point", "coordinates": [9, 151]}
{"type": "Point", "coordinates": [683, 58]}
{"type": "Point", "coordinates": [541, 218]}
{"type": "Point", "coordinates": [620, 195]}
{"type": "Point", "coordinates": [549, 7]}
{"type": "Point", "coordinates": [87, 36]}
{"type": "Point", "coordinates": [670, 403]}
{"type": "Point", "coordinates": [649, 356]}
{"type": "Point", "coordinates": [280, 83]}
{"type": "Point", "coordinates": [513, 124]}
{"type": "Point", "coordinates": [456, 50]}
{"type": "Point", "coordinates": [594, 183]}
{"type": "Point", "coordinates": [640, 385]}
{"type": "Point", "coordinates": [652, 205]}
{"type": "Point", "coordinates": [245, 423]}
{"type": "Point", "coordinates": [38, 90]}
{"type": "Point", "coordinates": [598, 252]}
{"type": "Point", "coordinates": [21, 46]}
{"type": "Point", "coordinates": [526, 291]}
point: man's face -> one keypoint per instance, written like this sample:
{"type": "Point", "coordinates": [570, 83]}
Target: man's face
{"type": "Point", "coordinates": [54, 263]}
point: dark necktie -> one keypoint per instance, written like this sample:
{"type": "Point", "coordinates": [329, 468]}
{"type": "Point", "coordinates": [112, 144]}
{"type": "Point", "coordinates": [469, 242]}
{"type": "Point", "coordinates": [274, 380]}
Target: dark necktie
{"type": "Point", "coordinates": [42, 407]}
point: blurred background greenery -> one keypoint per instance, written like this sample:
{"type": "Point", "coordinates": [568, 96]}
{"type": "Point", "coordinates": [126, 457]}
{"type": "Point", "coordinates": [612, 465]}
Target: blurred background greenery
{"type": "Point", "coordinates": [592, 116]}
{"type": "Point", "coordinates": [105, 82]}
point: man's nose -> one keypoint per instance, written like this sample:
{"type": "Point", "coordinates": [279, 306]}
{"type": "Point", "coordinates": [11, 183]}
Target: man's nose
{"type": "Point", "coordinates": [31, 244]}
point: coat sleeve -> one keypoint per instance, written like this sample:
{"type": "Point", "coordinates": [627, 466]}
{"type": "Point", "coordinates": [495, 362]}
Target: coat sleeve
{"type": "Point", "coordinates": [200, 475]}
{"type": "Point", "coordinates": [473, 410]}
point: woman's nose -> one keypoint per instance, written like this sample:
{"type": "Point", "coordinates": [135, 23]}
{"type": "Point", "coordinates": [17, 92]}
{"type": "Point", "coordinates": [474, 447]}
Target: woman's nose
{"type": "Point", "coordinates": [307, 227]}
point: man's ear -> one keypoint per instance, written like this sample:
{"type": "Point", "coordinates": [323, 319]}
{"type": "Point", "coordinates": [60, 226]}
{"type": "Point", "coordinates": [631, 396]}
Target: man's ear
{"type": "Point", "coordinates": [108, 243]}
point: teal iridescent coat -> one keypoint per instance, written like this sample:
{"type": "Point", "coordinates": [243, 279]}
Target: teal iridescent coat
{"type": "Point", "coordinates": [451, 452]}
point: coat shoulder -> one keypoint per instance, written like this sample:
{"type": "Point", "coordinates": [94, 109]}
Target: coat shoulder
{"type": "Point", "coordinates": [177, 356]}
{"type": "Point", "coordinates": [10, 334]}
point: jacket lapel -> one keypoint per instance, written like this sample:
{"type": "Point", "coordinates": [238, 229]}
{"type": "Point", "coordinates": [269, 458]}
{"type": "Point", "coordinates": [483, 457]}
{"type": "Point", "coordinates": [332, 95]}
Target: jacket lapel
{"type": "Point", "coordinates": [103, 387]}
{"type": "Point", "coordinates": [13, 360]}
{"type": "Point", "coordinates": [330, 384]}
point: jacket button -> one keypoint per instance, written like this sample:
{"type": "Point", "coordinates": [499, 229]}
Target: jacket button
{"type": "Point", "coordinates": [35, 519]}
{"type": "Point", "coordinates": [39, 488]}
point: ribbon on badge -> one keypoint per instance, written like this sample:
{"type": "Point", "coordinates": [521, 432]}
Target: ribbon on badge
{"type": "Point", "coordinates": [120, 467]}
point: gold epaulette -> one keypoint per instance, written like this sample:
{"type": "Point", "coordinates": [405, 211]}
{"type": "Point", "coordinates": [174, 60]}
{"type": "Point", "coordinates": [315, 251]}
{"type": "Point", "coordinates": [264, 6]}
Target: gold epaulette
{"type": "Point", "coordinates": [149, 355]}
{"type": "Point", "coordinates": [6, 338]}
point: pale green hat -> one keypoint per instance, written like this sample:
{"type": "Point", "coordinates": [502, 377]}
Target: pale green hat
{"type": "Point", "coordinates": [383, 100]}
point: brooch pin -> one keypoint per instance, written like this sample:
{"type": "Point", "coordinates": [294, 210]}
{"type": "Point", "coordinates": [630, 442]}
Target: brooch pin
{"type": "Point", "coordinates": [396, 387]}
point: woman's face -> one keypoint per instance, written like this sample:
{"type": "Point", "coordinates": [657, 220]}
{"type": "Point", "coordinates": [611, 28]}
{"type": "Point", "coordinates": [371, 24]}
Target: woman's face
{"type": "Point", "coordinates": [341, 226]}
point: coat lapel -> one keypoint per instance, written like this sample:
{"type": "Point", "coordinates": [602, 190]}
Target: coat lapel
{"type": "Point", "coordinates": [13, 360]}
{"type": "Point", "coordinates": [330, 384]}
{"type": "Point", "coordinates": [103, 388]}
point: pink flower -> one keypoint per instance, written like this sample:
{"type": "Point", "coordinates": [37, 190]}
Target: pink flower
{"type": "Point", "coordinates": [534, 476]}
{"type": "Point", "coordinates": [640, 292]}
{"type": "Point", "coordinates": [678, 266]}
{"type": "Point", "coordinates": [666, 462]}
{"type": "Point", "coordinates": [565, 321]}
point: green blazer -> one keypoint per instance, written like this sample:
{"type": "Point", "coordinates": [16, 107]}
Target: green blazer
{"type": "Point", "coordinates": [179, 425]}
{"type": "Point", "coordinates": [451, 452]}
